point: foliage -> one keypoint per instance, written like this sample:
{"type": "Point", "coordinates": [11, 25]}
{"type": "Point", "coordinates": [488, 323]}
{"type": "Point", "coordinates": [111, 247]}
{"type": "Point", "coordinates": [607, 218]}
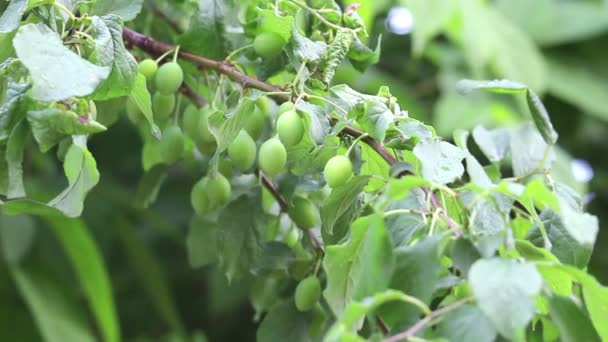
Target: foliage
{"type": "Point", "coordinates": [356, 221]}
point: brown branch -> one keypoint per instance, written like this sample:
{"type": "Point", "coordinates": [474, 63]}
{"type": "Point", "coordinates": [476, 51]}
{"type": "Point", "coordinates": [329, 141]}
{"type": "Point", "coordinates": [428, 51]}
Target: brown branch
{"type": "Point", "coordinates": [275, 192]}
{"type": "Point", "coordinates": [424, 321]}
{"type": "Point", "coordinates": [157, 48]}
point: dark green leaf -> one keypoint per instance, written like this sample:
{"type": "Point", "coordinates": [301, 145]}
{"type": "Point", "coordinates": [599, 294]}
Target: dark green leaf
{"type": "Point", "coordinates": [416, 272]}
{"type": "Point", "coordinates": [467, 323]}
{"type": "Point", "coordinates": [572, 322]}
{"type": "Point", "coordinates": [340, 207]}
{"type": "Point", "coordinates": [361, 57]}
{"type": "Point", "coordinates": [359, 267]}
{"type": "Point", "coordinates": [17, 235]}
{"type": "Point", "coordinates": [14, 159]}
{"type": "Point", "coordinates": [306, 49]}
{"type": "Point", "coordinates": [201, 242]}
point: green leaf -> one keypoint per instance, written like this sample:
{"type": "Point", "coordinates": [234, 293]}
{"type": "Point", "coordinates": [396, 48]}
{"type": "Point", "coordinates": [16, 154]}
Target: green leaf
{"type": "Point", "coordinates": [318, 125]}
{"type": "Point", "coordinates": [31, 207]}
{"type": "Point", "coordinates": [417, 270]}
{"type": "Point", "coordinates": [241, 229]}
{"type": "Point", "coordinates": [400, 188]}
{"type": "Point", "coordinates": [56, 312]}
{"type": "Point", "coordinates": [505, 292]}
{"type": "Point", "coordinates": [464, 254]}
{"type": "Point", "coordinates": [467, 323]}
{"type": "Point", "coordinates": [572, 322]}
{"type": "Point", "coordinates": [207, 32]}
{"type": "Point", "coordinates": [111, 52]}
{"type": "Point", "coordinates": [431, 17]}
{"type": "Point", "coordinates": [493, 143]}
{"type": "Point", "coordinates": [528, 151]}
{"type": "Point", "coordinates": [149, 185]}
{"type": "Point", "coordinates": [14, 158]}
{"type": "Point", "coordinates": [126, 9]}
{"type": "Point", "coordinates": [57, 72]}
{"type": "Point", "coordinates": [340, 208]}
{"type": "Point", "coordinates": [81, 170]}
{"type": "Point", "coordinates": [359, 267]}
{"type": "Point", "coordinates": [538, 111]}
{"type": "Point", "coordinates": [356, 310]}
{"type": "Point", "coordinates": [376, 119]}
{"type": "Point", "coordinates": [141, 97]}
{"type": "Point", "coordinates": [88, 263]}
{"type": "Point", "coordinates": [361, 57]}
{"type": "Point", "coordinates": [489, 221]}
{"type": "Point", "coordinates": [51, 125]}
{"type": "Point", "coordinates": [305, 49]}
{"type": "Point", "coordinates": [595, 295]}
{"type": "Point", "coordinates": [11, 17]}
{"type": "Point", "coordinates": [404, 226]}
{"type": "Point", "coordinates": [11, 111]}
{"type": "Point", "coordinates": [441, 161]}
{"type": "Point", "coordinates": [572, 235]}
{"type": "Point", "coordinates": [284, 323]}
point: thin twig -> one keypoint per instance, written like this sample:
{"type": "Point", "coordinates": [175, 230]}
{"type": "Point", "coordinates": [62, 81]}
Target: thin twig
{"type": "Point", "coordinates": [424, 321]}
{"type": "Point", "coordinates": [274, 192]}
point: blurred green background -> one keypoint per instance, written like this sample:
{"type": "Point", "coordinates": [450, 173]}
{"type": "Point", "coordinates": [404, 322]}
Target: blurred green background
{"type": "Point", "coordinates": [557, 47]}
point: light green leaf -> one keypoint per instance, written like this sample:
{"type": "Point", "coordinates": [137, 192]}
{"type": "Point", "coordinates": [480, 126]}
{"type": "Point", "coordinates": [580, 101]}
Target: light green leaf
{"type": "Point", "coordinates": [112, 53]}
{"type": "Point", "coordinates": [572, 322]}
{"type": "Point", "coordinates": [88, 263]}
{"type": "Point", "coordinates": [417, 270]}
{"type": "Point", "coordinates": [361, 56]}
{"type": "Point", "coordinates": [539, 113]}
{"type": "Point", "coordinates": [51, 125]}
{"type": "Point", "coordinates": [10, 19]}
{"type": "Point", "coordinates": [572, 235]}
{"type": "Point", "coordinates": [441, 161]}
{"type": "Point", "coordinates": [141, 97]}
{"type": "Point", "coordinates": [57, 72]}
{"type": "Point", "coordinates": [493, 143]}
{"type": "Point", "coordinates": [126, 9]}
{"type": "Point", "coordinates": [318, 125]}
{"type": "Point", "coordinates": [467, 323]}
{"type": "Point", "coordinates": [400, 188]}
{"type": "Point", "coordinates": [81, 170]}
{"type": "Point", "coordinates": [505, 292]}
{"type": "Point", "coordinates": [227, 127]}
{"type": "Point", "coordinates": [376, 119]}
{"type": "Point", "coordinates": [359, 267]}
{"type": "Point", "coordinates": [528, 151]}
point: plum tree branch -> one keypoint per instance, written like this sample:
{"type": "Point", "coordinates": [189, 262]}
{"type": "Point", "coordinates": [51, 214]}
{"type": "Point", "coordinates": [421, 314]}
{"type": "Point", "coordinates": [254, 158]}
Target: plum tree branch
{"type": "Point", "coordinates": [157, 48]}
{"type": "Point", "coordinates": [413, 330]}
